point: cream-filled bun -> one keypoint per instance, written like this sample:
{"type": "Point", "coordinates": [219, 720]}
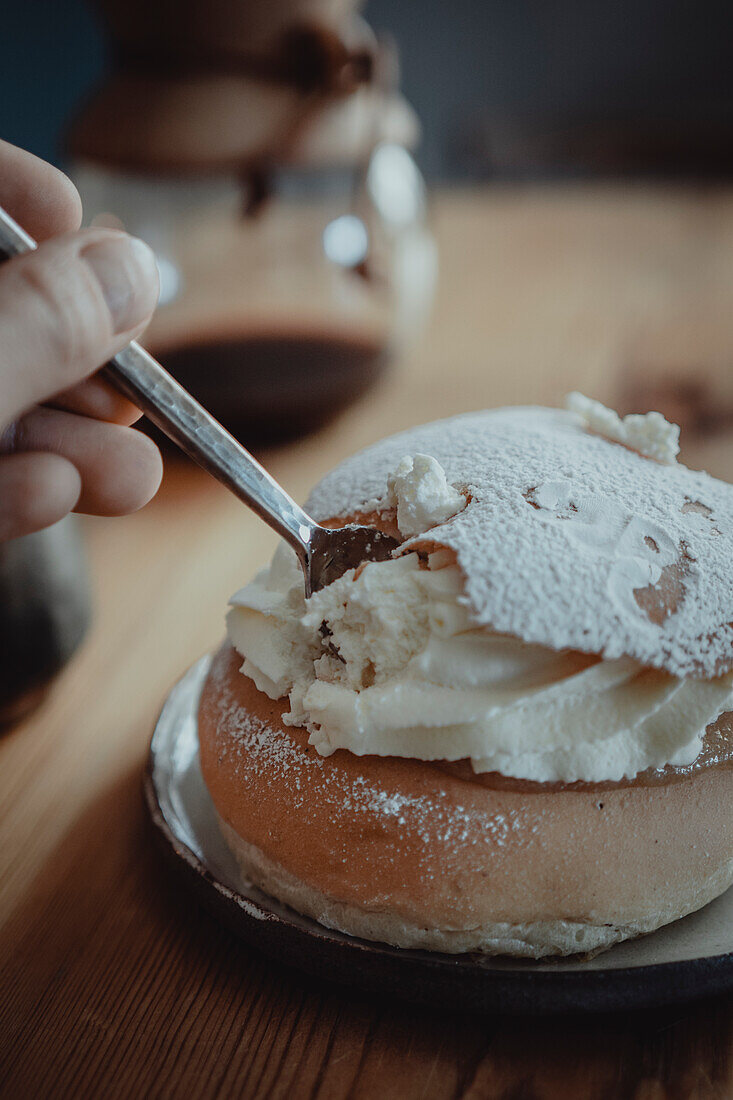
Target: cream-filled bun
{"type": "Point", "coordinates": [515, 737]}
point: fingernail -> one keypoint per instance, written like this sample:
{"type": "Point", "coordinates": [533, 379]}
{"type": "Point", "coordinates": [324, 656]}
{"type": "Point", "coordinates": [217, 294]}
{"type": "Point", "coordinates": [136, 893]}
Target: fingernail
{"type": "Point", "coordinates": [127, 274]}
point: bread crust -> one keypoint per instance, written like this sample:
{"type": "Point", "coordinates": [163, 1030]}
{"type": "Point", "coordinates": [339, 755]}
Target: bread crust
{"type": "Point", "coordinates": [421, 855]}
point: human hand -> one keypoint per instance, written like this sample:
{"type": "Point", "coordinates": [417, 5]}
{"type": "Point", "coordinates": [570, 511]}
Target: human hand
{"type": "Point", "coordinates": [65, 438]}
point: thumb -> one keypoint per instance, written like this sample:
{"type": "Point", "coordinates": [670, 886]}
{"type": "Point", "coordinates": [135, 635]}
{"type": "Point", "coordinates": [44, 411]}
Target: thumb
{"type": "Point", "coordinates": [66, 309]}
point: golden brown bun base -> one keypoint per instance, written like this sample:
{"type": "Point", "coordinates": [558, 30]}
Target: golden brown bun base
{"type": "Point", "coordinates": [422, 855]}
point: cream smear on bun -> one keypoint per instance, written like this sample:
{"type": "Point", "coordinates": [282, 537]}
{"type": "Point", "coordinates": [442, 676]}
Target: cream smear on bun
{"type": "Point", "coordinates": [524, 622]}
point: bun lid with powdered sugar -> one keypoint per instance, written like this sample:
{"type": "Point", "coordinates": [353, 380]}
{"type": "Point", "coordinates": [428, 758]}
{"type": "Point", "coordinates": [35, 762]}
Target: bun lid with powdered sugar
{"type": "Point", "coordinates": [581, 531]}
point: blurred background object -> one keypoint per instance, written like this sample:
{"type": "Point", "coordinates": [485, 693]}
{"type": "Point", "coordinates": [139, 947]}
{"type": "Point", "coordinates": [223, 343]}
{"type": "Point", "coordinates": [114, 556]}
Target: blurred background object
{"type": "Point", "coordinates": [45, 610]}
{"type": "Point", "coordinates": [515, 90]}
{"type": "Point", "coordinates": [292, 96]}
{"type": "Point", "coordinates": [262, 149]}
{"type": "Point", "coordinates": [639, 92]}
{"type": "Point", "coordinates": [631, 95]}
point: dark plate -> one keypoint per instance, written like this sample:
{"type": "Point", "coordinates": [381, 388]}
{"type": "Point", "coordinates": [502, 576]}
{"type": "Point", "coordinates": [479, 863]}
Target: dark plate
{"type": "Point", "coordinates": [692, 958]}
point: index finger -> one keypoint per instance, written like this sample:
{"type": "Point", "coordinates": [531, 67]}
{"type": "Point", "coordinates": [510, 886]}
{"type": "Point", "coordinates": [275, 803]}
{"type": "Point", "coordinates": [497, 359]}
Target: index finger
{"type": "Point", "coordinates": [40, 197]}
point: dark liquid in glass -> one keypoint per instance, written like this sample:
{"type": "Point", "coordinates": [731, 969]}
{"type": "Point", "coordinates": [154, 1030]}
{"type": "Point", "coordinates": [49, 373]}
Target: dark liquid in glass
{"type": "Point", "coordinates": [269, 387]}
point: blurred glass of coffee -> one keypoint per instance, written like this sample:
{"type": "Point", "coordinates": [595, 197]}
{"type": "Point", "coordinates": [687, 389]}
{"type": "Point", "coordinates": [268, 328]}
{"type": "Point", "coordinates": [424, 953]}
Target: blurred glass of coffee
{"type": "Point", "coordinates": [262, 148]}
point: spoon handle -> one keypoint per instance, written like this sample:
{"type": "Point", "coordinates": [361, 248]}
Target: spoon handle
{"type": "Point", "coordinates": [138, 376]}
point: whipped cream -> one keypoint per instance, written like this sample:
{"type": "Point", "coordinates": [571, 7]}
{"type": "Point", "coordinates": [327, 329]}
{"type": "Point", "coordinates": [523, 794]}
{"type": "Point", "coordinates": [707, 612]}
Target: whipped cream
{"type": "Point", "coordinates": [389, 661]}
{"type": "Point", "coordinates": [419, 492]}
{"type": "Point", "coordinates": [648, 433]}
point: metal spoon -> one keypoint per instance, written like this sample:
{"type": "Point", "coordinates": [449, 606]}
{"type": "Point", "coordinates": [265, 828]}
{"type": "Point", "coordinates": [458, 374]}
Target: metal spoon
{"type": "Point", "coordinates": [324, 554]}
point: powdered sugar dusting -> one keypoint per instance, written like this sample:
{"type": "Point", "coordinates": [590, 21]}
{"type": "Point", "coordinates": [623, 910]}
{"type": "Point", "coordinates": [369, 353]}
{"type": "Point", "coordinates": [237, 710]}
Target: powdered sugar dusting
{"type": "Point", "coordinates": [569, 540]}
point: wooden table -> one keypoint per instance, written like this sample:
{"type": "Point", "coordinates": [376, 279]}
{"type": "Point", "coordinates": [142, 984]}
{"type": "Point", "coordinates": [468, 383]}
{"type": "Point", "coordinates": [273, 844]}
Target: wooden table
{"type": "Point", "coordinates": [114, 984]}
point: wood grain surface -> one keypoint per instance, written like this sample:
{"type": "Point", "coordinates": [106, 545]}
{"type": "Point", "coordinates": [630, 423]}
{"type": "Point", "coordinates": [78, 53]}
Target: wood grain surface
{"type": "Point", "coordinates": [113, 983]}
